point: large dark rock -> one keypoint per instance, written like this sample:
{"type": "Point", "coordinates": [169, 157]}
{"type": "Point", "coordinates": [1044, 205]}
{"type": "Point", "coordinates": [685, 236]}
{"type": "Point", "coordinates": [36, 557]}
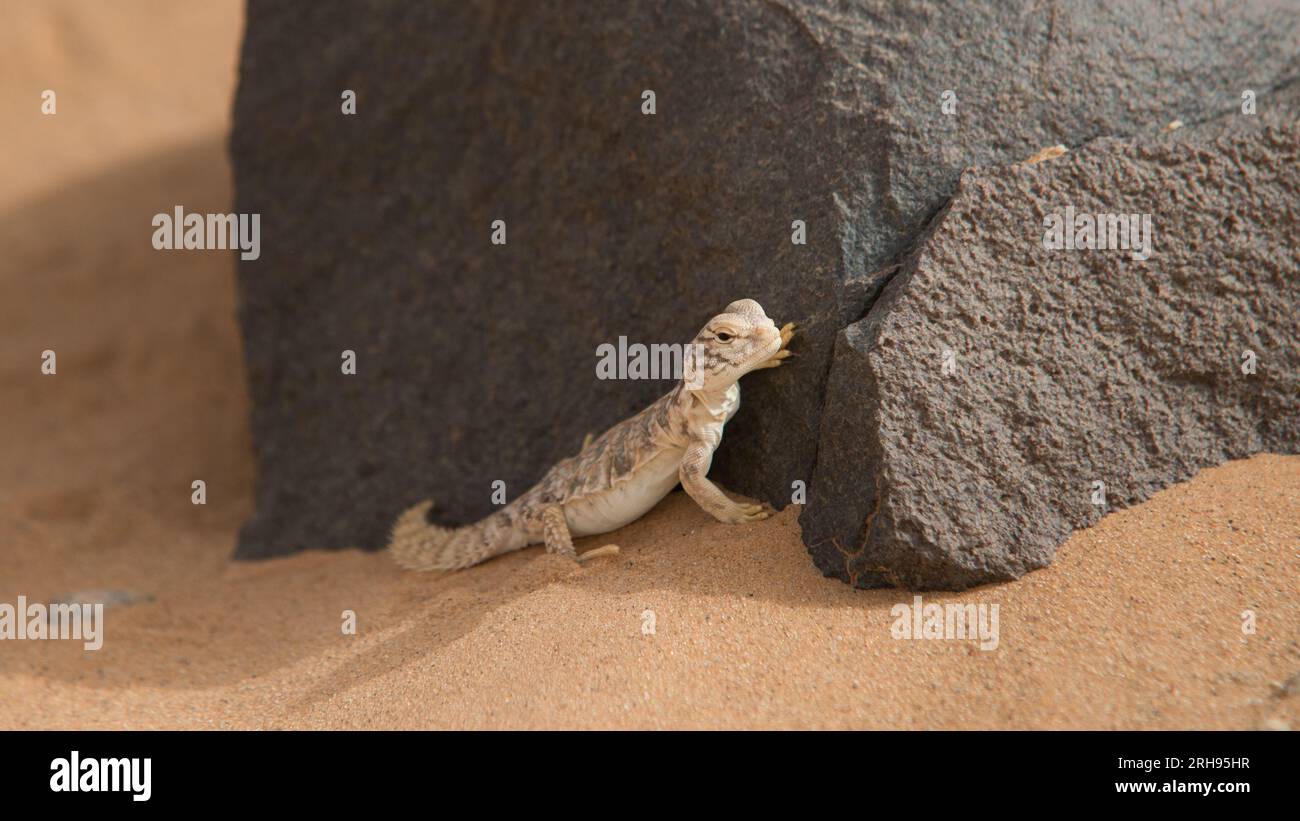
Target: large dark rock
{"type": "Point", "coordinates": [477, 362]}
{"type": "Point", "coordinates": [1072, 367]}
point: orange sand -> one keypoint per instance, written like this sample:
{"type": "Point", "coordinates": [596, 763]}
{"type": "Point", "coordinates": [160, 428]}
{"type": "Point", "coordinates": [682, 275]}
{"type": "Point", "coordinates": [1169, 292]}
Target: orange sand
{"type": "Point", "coordinates": [1136, 625]}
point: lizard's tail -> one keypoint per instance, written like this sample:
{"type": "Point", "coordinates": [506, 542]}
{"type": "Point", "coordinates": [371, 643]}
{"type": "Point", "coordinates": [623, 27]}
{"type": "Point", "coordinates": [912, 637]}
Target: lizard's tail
{"type": "Point", "coordinates": [415, 544]}
{"type": "Point", "coordinates": [418, 545]}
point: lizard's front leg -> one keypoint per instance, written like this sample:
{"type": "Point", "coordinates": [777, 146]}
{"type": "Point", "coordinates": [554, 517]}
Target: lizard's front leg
{"type": "Point", "coordinates": [693, 473]}
{"type": "Point", "coordinates": [555, 532]}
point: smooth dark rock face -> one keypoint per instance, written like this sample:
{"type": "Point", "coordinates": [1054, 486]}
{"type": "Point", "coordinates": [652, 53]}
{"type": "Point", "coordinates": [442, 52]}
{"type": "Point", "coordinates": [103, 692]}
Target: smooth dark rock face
{"type": "Point", "coordinates": [476, 362]}
{"type": "Point", "coordinates": [1068, 367]}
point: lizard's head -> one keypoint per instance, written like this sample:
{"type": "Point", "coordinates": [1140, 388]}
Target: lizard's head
{"type": "Point", "coordinates": [731, 345]}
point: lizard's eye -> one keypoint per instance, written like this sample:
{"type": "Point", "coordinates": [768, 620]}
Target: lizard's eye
{"type": "Point", "coordinates": [723, 336]}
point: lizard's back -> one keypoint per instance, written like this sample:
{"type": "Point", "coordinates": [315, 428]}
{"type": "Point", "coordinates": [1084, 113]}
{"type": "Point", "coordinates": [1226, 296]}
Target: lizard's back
{"type": "Point", "coordinates": [620, 475]}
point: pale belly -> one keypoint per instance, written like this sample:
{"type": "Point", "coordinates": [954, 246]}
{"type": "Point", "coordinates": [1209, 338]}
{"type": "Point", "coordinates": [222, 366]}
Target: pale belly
{"type": "Point", "coordinates": [627, 502]}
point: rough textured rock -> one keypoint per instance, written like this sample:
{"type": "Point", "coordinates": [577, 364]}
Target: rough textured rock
{"type": "Point", "coordinates": [477, 362]}
{"type": "Point", "coordinates": [1072, 366]}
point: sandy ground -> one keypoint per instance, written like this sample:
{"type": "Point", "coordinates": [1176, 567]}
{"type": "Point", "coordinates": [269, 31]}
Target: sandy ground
{"type": "Point", "coordinates": [1138, 623]}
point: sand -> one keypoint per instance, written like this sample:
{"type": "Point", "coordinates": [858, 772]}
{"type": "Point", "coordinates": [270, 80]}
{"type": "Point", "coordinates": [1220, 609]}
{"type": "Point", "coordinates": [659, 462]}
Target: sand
{"type": "Point", "coordinates": [1138, 624]}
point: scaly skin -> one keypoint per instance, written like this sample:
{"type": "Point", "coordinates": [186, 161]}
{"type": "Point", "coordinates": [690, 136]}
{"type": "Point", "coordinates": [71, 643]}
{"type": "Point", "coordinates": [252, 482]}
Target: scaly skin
{"type": "Point", "coordinates": [621, 474]}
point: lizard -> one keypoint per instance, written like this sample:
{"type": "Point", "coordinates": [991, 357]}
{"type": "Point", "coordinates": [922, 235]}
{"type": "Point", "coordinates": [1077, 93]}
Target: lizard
{"type": "Point", "coordinates": [620, 475]}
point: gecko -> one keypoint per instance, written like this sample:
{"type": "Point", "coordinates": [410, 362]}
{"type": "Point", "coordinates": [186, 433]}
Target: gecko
{"type": "Point", "coordinates": [620, 475]}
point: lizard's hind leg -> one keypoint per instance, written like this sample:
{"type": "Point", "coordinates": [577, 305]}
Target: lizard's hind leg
{"type": "Point", "coordinates": [555, 531]}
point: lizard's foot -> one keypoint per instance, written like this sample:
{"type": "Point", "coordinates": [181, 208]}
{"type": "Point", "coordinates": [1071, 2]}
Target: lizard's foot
{"type": "Point", "coordinates": [782, 353]}
{"type": "Point", "coordinates": [607, 550]}
{"type": "Point", "coordinates": [776, 361]}
{"type": "Point", "coordinates": [563, 550]}
{"type": "Point", "coordinates": [740, 514]}
{"type": "Point", "coordinates": [787, 331]}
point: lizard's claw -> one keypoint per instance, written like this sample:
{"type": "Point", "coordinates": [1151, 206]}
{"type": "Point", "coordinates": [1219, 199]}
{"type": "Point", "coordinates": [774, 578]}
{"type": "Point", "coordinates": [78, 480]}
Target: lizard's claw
{"type": "Point", "coordinates": [751, 513]}
{"type": "Point", "coordinates": [775, 361]}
